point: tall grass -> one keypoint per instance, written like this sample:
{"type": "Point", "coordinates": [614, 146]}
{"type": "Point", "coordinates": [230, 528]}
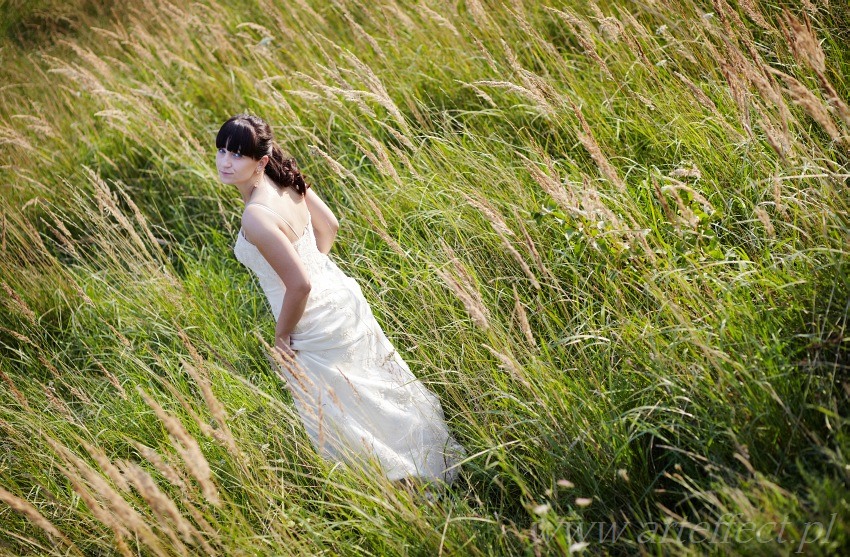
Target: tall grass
{"type": "Point", "coordinates": [611, 236]}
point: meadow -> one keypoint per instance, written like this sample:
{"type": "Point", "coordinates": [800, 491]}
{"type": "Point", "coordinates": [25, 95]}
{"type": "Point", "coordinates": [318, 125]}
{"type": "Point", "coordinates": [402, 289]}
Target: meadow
{"type": "Point", "coordinates": [612, 236]}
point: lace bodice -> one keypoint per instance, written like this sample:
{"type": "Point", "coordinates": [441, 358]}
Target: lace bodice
{"type": "Point", "coordinates": [326, 279]}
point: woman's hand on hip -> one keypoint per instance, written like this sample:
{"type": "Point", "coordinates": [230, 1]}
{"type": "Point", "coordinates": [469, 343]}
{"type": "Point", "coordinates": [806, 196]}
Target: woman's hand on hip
{"type": "Point", "coordinates": [283, 345]}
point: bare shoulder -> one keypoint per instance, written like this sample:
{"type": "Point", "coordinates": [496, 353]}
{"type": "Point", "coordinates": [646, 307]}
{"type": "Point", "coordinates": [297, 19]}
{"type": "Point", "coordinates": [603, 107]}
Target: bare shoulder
{"type": "Point", "coordinates": [258, 225]}
{"type": "Point", "coordinates": [319, 210]}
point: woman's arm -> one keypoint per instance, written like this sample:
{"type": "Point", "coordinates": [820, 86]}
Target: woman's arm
{"type": "Point", "coordinates": [261, 230]}
{"type": "Point", "coordinates": [325, 224]}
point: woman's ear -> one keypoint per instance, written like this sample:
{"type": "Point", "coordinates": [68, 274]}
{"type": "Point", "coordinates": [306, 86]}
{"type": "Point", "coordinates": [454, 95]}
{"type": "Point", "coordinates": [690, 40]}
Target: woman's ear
{"type": "Point", "coordinates": [264, 160]}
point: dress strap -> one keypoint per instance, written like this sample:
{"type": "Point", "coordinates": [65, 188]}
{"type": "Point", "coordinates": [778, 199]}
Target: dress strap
{"type": "Point", "coordinates": [278, 215]}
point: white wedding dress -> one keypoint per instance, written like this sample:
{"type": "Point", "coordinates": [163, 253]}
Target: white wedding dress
{"type": "Point", "coordinates": [355, 394]}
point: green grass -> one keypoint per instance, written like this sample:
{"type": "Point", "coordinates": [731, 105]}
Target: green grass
{"type": "Point", "coordinates": [610, 237]}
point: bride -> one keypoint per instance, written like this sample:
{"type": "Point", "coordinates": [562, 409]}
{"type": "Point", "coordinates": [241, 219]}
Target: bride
{"type": "Point", "coordinates": [357, 397]}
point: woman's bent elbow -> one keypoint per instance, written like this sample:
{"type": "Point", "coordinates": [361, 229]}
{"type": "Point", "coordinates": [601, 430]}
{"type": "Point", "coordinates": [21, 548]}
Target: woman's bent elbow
{"type": "Point", "coordinates": [304, 288]}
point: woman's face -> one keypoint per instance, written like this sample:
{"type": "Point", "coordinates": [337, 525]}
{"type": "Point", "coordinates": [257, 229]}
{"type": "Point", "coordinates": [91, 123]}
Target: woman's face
{"type": "Point", "coordinates": [234, 168]}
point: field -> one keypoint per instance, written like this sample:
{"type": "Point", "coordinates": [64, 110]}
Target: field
{"type": "Point", "coordinates": [612, 236]}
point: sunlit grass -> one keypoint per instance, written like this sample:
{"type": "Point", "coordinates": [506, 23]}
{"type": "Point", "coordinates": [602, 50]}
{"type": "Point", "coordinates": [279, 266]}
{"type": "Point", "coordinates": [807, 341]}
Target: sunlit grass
{"type": "Point", "coordinates": [611, 237]}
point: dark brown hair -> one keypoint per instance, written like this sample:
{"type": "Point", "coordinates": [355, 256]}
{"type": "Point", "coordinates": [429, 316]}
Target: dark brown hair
{"type": "Point", "coordinates": [252, 137]}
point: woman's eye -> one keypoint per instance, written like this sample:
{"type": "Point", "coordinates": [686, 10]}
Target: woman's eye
{"type": "Point", "coordinates": [221, 151]}
{"type": "Point", "coordinates": [237, 155]}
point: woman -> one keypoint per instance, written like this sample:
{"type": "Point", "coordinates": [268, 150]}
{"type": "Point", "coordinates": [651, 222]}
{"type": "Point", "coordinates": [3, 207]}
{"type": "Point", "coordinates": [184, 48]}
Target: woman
{"type": "Point", "coordinates": [355, 394]}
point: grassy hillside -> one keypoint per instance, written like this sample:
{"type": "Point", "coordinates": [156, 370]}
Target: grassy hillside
{"type": "Point", "coordinates": [611, 236]}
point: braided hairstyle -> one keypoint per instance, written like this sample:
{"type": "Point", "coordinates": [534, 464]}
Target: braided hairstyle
{"type": "Point", "coordinates": [252, 137]}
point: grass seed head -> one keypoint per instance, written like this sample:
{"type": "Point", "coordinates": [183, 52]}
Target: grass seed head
{"type": "Point", "coordinates": [188, 449]}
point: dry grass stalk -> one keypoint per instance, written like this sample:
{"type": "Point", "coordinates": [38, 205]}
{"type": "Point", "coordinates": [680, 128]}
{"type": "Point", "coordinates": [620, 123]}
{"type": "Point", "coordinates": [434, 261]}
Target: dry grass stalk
{"type": "Point", "coordinates": [162, 506]}
{"type": "Point", "coordinates": [207, 531]}
{"type": "Point", "coordinates": [764, 218]}
{"type": "Point", "coordinates": [487, 55]}
{"type": "Point", "coordinates": [93, 60]}
{"type": "Point", "coordinates": [533, 95]}
{"type": "Point", "coordinates": [804, 43]}
{"type": "Point", "coordinates": [82, 293]}
{"type": "Point", "coordinates": [140, 218]}
{"type": "Point", "coordinates": [216, 409]}
{"type": "Point", "coordinates": [531, 31]}
{"type": "Point", "coordinates": [19, 303]}
{"type": "Point", "coordinates": [522, 317]}
{"type": "Point", "coordinates": [188, 448]}
{"type": "Point", "coordinates": [19, 396]}
{"type": "Point", "coordinates": [471, 300]}
{"type": "Point", "coordinates": [780, 142]}
{"type": "Point", "coordinates": [61, 232]}
{"type": "Point", "coordinates": [504, 232]}
{"type": "Point", "coordinates": [739, 94]}
{"type": "Point", "coordinates": [111, 378]}
{"type": "Point", "coordinates": [464, 288]}
{"type": "Point", "coordinates": [834, 100]}
{"type": "Point", "coordinates": [26, 509]}
{"type": "Point", "coordinates": [340, 170]}
{"type": "Point", "coordinates": [589, 142]}
{"type": "Point", "coordinates": [125, 515]}
{"type": "Point", "coordinates": [532, 248]}
{"type": "Point", "coordinates": [686, 171]}
{"type": "Point", "coordinates": [19, 336]}
{"type": "Point", "coordinates": [422, 8]}
{"type": "Point", "coordinates": [610, 27]}
{"type": "Point", "coordinates": [403, 139]}
{"type": "Point", "coordinates": [698, 93]}
{"type": "Point", "coordinates": [685, 215]}
{"type": "Point", "coordinates": [80, 394]}
{"type": "Point", "coordinates": [754, 71]}
{"type": "Point", "coordinates": [777, 196]}
{"type": "Point", "coordinates": [48, 366]}
{"type": "Point", "coordinates": [359, 31]}
{"type": "Point", "coordinates": [304, 7]}
{"type": "Point", "coordinates": [189, 408]}
{"type": "Point", "coordinates": [106, 466]}
{"type": "Point", "coordinates": [479, 14]}
{"type": "Point", "coordinates": [584, 34]}
{"type": "Point", "coordinates": [812, 8]}
{"type": "Point", "coordinates": [805, 98]}
{"type": "Point", "coordinates": [482, 94]}
{"type": "Point", "coordinates": [108, 202]}
{"type": "Point", "coordinates": [382, 231]}
{"type": "Point", "coordinates": [100, 513]}
{"type": "Point", "coordinates": [551, 183]}
{"type": "Point", "coordinates": [379, 91]}
{"type": "Point", "coordinates": [541, 89]}
{"type": "Point", "coordinates": [754, 13]}
{"type": "Point", "coordinates": [510, 365]}
{"type": "Point", "coordinates": [633, 42]}
{"type": "Point", "coordinates": [393, 12]}
{"type": "Point", "coordinates": [168, 472]}
{"type": "Point", "coordinates": [11, 136]}
{"type": "Point", "coordinates": [187, 343]}
{"type": "Point", "coordinates": [594, 209]}
{"type": "Point", "coordinates": [380, 158]}
{"type": "Point", "coordinates": [35, 246]}
{"type": "Point", "coordinates": [732, 22]}
{"type": "Point", "coordinates": [56, 402]}
{"type": "Point", "coordinates": [707, 207]}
